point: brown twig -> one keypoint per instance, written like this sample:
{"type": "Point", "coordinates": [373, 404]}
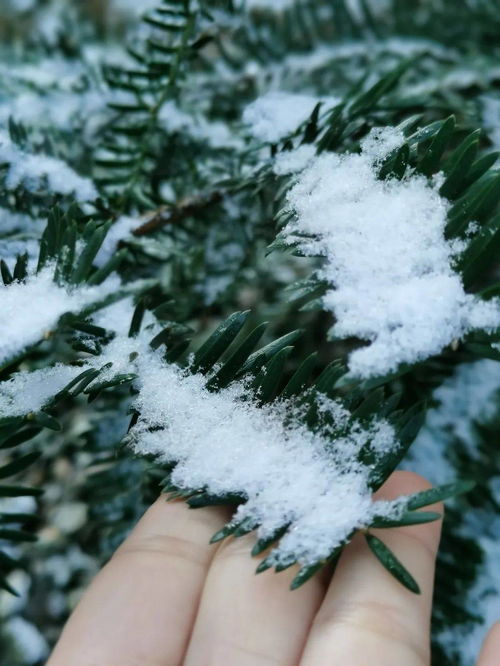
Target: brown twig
{"type": "Point", "coordinates": [173, 214]}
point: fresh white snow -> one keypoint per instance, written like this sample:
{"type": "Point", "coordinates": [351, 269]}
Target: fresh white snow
{"type": "Point", "coordinates": [131, 7]}
{"type": "Point", "coordinates": [271, 5]}
{"type": "Point", "coordinates": [215, 133]}
{"type": "Point", "coordinates": [389, 267]}
{"type": "Point", "coordinates": [32, 170]}
{"type": "Point", "coordinates": [471, 395]}
{"type": "Point", "coordinates": [276, 114]}
{"type": "Point", "coordinates": [122, 228]}
{"type": "Point", "coordinates": [11, 221]}
{"type": "Point", "coordinates": [491, 118]}
{"type": "Point", "coordinates": [26, 392]}
{"type": "Point", "coordinates": [225, 443]}
{"type": "Point", "coordinates": [31, 310]}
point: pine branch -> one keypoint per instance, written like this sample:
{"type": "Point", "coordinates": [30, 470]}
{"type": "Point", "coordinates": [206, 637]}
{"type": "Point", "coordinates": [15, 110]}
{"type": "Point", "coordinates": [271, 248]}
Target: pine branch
{"type": "Point", "coordinates": [167, 215]}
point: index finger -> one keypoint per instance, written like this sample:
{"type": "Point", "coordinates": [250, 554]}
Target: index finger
{"type": "Point", "coordinates": [141, 607]}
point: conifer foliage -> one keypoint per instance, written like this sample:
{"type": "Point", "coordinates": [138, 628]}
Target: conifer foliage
{"type": "Point", "coordinates": [241, 237]}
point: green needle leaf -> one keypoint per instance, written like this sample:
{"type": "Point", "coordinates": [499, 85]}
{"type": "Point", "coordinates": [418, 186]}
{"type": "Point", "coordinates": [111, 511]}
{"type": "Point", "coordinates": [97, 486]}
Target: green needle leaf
{"type": "Point", "coordinates": [19, 464]}
{"type": "Point", "coordinates": [305, 574]}
{"type": "Point", "coordinates": [208, 354]}
{"type": "Point", "coordinates": [433, 495]}
{"type": "Point", "coordinates": [410, 518]}
{"type": "Point", "coordinates": [390, 562]}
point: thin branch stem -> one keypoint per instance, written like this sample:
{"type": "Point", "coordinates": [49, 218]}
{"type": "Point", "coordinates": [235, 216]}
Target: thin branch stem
{"type": "Point", "coordinates": [173, 214]}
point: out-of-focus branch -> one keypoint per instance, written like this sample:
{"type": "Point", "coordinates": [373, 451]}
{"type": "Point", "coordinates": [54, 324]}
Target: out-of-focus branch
{"type": "Point", "coordinates": [173, 214]}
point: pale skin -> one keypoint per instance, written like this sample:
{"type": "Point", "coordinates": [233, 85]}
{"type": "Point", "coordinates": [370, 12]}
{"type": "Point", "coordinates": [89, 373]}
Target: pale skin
{"type": "Point", "coordinates": [168, 598]}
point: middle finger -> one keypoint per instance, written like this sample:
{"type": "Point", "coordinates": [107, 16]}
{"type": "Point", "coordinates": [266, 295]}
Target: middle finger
{"type": "Point", "coordinates": [251, 620]}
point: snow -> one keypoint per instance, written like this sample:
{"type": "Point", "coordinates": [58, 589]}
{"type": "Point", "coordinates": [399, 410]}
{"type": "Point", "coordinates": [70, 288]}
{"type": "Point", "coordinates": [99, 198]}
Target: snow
{"type": "Point", "coordinates": [122, 228]}
{"type": "Point", "coordinates": [117, 317]}
{"type": "Point", "coordinates": [132, 7]}
{"type": "Point", "coordinates": [483, 599]}
{"type": "Point", "coordinates": [20, 5]}
{"type": "Point", "coordinates": [21, 582]}
{"type": "Point", "coordinates": [389, 267]}
{"type": "Point", "coordinates": [225, 443]}
{"type": "Point", "coordinates": [271, 5]}
{"type": "Point", "coordinates": [310, 66]}
{"type": "Point", "coordinates": [20, 504]}
{"type": "Point", "coordinates": [29, 642]}
{"type": "Point", "coordinates": [276, 114]}
{"type": "Point", "coordinates": [491, 118]}
{"type": "Point", "coordinates": [32, 171]}
{"type": "Point", "coordinates": [11, 221]}
{"type": "Point", "coordinates": [57, 109]}
{"type": "Point", "coordinates": [31, 310]}
{"type": "Point", "coordinates": [293, 161]}
{"type": "Point", "coordinates": [469, 397]}
{"type": "Point", "coordinates": [215, 133]}
{"type": "Point", "coordinates": [45, 73]}
{"type": "Point", "coordinates": [28, 392]}
{"type": "Point", "coordinates": [11, 248]}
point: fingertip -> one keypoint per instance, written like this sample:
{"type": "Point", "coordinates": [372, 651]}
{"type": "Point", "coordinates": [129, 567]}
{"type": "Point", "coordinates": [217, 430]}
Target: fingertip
{"type": "Point", "coordinates": [402, 482]}
{"type": "Point", "coordinates": [491, 647]}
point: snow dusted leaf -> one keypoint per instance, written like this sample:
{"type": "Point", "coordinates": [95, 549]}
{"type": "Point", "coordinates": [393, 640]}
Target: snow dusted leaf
{"type": "Point", "coordinates": [322, 491]}
{"type": "Point", "coordinates": [278, 114]}
{"type": "Point", "coordinates": [31, 309]}
{"type": "Point", "coordinates": [387, 261]}
{"type": "Point", "coordinates": [31, 171]}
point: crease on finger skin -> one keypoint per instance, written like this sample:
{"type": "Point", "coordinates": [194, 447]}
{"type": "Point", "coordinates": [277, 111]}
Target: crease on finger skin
{"type": "Point", "coordinates": [384, 621]}
{"type": "Point", "coordinates": [230, 653]}
{"type": "Point", "coordinates": [160, 546]}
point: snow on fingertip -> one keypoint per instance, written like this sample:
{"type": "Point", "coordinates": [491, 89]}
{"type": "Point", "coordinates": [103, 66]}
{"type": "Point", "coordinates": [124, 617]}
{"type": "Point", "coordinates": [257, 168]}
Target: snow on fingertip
{"type": "Point", "coordinates": [388, 264]}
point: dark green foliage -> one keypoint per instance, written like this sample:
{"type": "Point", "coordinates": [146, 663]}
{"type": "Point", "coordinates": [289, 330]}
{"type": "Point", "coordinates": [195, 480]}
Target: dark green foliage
{"type": "Point", "coordinates": [15, 532]}
{"type": "Point", "coordinates": [166, 145]}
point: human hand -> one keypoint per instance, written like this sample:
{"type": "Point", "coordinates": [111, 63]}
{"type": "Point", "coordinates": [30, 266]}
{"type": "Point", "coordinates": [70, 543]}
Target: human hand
{"type": "Point", "coordinates": [168, 598]}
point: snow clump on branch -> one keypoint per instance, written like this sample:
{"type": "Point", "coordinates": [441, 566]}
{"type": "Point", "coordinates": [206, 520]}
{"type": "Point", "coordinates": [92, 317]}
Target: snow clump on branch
{"type": "Point", "coordinates": [388, 264]}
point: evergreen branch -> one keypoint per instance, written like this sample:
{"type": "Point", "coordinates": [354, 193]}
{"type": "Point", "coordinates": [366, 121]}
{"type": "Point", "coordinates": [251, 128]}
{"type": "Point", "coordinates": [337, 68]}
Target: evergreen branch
{"type": "Point", "coordinates": [167, 215]}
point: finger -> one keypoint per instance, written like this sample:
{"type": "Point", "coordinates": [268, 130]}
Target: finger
{"type": "Point", "coordinates": [367, 617]}
{"type": "Point", "coordinates": [490, 654]}
{"type": "Point", "coordinates": [248, 619]}
{"type": "Point", "coordinates": [141, 607]}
